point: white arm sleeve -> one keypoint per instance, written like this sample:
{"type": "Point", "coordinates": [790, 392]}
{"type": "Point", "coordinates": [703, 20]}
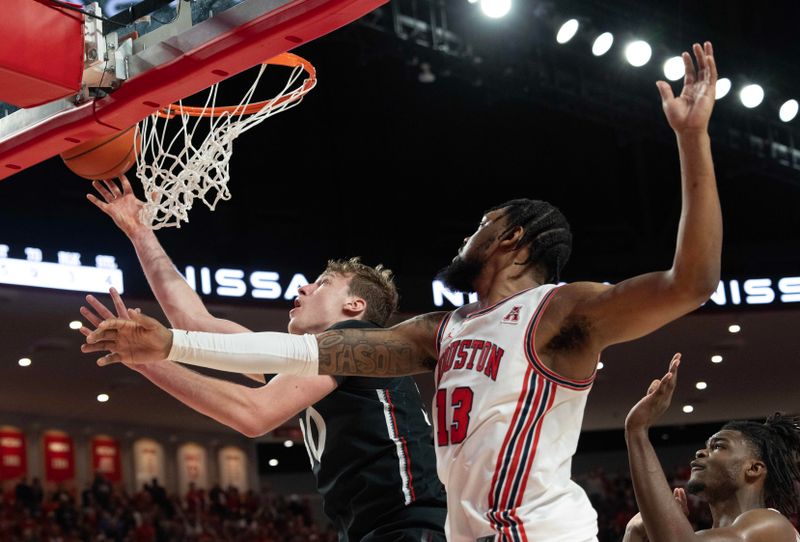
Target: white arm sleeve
{"type": "Point", "coordinates": [265, 352]}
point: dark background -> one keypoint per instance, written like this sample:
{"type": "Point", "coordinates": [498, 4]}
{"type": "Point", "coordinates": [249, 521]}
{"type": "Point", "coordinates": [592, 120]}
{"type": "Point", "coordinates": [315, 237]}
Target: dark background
{"type": "Point", "coordinates": [378, 164]}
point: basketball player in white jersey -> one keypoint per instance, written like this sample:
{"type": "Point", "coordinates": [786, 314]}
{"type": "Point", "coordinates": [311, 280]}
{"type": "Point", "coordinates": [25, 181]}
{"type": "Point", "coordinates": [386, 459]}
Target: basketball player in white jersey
{"type": "Point", "coordinates": [748, 473]}
{"type": "Point", "coordinates": [514, 369]}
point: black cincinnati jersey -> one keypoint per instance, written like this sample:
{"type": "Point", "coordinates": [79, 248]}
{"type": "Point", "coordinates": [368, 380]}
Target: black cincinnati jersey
{"type": "Point", "coordinates": [371, 447]}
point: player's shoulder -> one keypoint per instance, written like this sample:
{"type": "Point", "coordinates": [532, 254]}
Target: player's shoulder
{"type": "Point", "coordinates": [564, 298]}
{"type": "Point", "coordinates": [769, 515]}
{"type": "Point", "coordinates": [764, 525]}
{"type": "Point", "coordinates": [583, 288]}
{"type": "Point", "coordinates": [429, 321]}
{"type": "Point", "coordinates": [579, 295]}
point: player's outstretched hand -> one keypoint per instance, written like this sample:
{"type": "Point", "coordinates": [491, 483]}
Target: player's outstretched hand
{"type": "Point", "coordinates": [96, 312]}
{"type": "Point", "coordinates": [653, 405]}
{"type": "Point", "coordinates": [99, 312]}
{"type": "Point", "coordinates": [120, 203]}
{"type": "Point", "coordinates": [691, 110]}
{"type": "Point", "coordinates": [135, 340]}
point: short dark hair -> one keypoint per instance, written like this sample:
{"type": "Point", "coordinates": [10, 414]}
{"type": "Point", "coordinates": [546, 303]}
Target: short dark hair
{"type": "Point", "coordinates": [374, 284]}
{"type": "Point", "coordinates": [547, 234]}
{"type": "Point", "coordinates": [776, 442]}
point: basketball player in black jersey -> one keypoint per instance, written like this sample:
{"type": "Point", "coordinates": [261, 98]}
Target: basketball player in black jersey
{"type": "Point", "coordinates": [369, 440]}
{"type": "Point", "coordinates": [748, 473]}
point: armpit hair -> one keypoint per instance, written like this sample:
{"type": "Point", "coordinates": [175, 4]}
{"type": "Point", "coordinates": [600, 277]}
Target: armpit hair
{"type": "Point", "coordinates": [573, 335]}
{"type": "Point", "coordinates": [429, 364]}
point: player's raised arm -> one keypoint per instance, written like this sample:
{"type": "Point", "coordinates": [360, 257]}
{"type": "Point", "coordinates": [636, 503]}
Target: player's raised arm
{"type": "Point", "coordinates": [640, 305]}
{"type": "Point", "coordinates": [407, 348]}
{"type": "Point", "coordinates": [741, 501]}
{"type": "Point", "coordinates": [182, 306]}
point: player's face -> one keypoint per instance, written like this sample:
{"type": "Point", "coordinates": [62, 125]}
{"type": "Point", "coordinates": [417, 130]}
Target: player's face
{"type": "Point", "coordinates": [467, 265]}
{"type": "Point", "coordinates": [718, 469]}
{"type": "Point", "coordinates": [321, 304]}
{"type": "Point", "coordinates": [477, 245]}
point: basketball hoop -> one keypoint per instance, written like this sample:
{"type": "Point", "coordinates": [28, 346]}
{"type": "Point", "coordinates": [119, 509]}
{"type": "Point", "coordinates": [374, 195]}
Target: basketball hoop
{"type": "Point", "coordinates": [177, 168]}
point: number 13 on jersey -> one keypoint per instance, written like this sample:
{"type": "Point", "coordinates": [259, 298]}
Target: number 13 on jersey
{"type": "Point", "coordinates": [454, 406]}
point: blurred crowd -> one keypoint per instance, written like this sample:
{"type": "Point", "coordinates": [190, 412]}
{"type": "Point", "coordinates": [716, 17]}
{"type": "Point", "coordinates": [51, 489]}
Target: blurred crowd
{"type": "Point", "coordinates": [102, 512]}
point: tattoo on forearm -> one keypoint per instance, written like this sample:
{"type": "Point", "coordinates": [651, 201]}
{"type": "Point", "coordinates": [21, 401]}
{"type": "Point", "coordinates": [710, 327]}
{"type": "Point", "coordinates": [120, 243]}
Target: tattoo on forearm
{"type": "Point", "coordinates": [375, 352]}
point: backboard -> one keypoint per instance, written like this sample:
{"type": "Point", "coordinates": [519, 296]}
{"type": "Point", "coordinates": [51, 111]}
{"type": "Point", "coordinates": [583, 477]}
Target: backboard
{"type": "Point", "coordinates": [176, 52]}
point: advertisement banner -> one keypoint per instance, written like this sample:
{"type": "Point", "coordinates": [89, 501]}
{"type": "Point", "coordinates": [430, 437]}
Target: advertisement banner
{"type": "Point", "coordinates": [59, 457]}
{"type": "Point", "coordinates": [13, 453]}
{"type": "Point", "coordinates": [106, 458]}
{"type": "Point", "coordinates": [233, 468]}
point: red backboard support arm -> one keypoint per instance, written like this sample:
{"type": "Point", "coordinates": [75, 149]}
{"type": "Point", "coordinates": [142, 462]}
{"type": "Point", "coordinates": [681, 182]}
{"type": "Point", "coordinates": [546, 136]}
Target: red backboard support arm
{"type": "Point", "coordinates": [209, 52]}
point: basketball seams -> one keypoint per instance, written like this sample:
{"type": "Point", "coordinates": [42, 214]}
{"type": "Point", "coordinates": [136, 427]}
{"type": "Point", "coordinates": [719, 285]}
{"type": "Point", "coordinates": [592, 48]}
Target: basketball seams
{"type": "Point", "coordinates": [105, 142]}
{"type": "Point", "coordinates": [108, 158]}
{"type": "Point", "coordinates": [116, 167]}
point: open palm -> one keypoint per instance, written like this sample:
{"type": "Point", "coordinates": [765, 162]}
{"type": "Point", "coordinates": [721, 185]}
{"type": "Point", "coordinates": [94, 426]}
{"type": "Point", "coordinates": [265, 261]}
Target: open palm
{"type": "Point", "coordinates": [691, 110]}
{"type": "Point", "coordinates": [658, 398]}
{"type": "Point", "coordinates": [118, 202]}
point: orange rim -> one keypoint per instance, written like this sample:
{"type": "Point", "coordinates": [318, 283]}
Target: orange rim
{"type": "Point", "coordinates": [284, 59]}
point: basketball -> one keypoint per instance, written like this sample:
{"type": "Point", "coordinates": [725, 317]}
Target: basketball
{"type": "Point", "coordinates": [106, 157]}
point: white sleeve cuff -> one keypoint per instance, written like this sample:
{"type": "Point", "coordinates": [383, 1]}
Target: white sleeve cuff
{"type": "Point", "coordinates": [265, 352]}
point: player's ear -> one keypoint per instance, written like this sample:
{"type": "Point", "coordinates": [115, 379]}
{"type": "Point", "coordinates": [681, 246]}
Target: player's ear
{"type": "Point", "coordinates": [754, 470]}
{"type": "Point", "coordinates": [355, 306]}
{"type": "Point", "coordinates": [512, 237]}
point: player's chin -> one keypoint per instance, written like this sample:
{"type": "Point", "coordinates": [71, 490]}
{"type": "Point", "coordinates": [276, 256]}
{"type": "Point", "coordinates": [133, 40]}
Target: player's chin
{"type": "Point", "coordinates": [294, 323]}
{"type": "Point", "coordinates": [696, 485]}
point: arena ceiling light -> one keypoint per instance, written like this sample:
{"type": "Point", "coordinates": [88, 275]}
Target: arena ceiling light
{"type": "Point", "coordinates": [723, 87]}
{"type": "Point", "coordinates": [75, 324]}
{"type": "Point", "coordinates": [495, 9]}
{"type": "Point", "coordinates": [701, 385]}
{"type": "Point", "coordinates": [567, 31]}
{"type": "Point", "coordinates": [103, 398]}
{"type": "Point", "coordinates": [751, 96]}
{"type": "Point", "coordinates": [788, 110]}
{"type": "Point", "coordinates": [638, 53]}
{"type": "Point", "coordinates": [673, 68]}
{"type": "Point", "coordinates": [734, 328]}
{"type": "Point", "coordinates": [24, 362]}
{"type": "Point", "coordinates": [602, 43]}
{"type": "Point", "coordinates": [716, 358]}
{"type": "Point", "coordinates": [688, 409]}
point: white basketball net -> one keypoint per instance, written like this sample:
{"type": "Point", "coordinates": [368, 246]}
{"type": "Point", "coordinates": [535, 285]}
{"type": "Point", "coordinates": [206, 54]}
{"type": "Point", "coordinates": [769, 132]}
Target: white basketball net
{"type": "Point", "coordinates": [178, 168]}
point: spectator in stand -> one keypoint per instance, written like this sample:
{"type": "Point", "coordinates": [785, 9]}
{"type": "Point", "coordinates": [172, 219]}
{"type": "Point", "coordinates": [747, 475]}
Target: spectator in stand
{"type": "Point", "coordinates": [23, 494]}
{"type": "Point", "coordinates": [195, 499]}
{"type": "Point", "coordinates": [101, 490]}
{"type": "Point", "coordinates": [37, 495]}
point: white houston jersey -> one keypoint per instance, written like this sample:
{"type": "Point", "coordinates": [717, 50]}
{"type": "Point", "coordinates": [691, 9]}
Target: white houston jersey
{"type": "Point", "coordinates": [507, 428]}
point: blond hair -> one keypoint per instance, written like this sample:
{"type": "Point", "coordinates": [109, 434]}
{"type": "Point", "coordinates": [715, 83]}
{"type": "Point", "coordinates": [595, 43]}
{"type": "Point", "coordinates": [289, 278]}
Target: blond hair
{"type": "Point", "coordinates": [374, 284]}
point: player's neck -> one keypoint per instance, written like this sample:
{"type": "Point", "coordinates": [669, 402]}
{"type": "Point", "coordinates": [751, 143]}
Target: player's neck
{"type": "Point", "coordinates": [340, 320]}
{"type": "Point", "coordinates": [724, 512]}
{"type": "Point", "coordinates": [506, 275]}
{"type": "Point", "coordinates": [320, 328]}
{"type": "Point", "coordinates": [504, 284]}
